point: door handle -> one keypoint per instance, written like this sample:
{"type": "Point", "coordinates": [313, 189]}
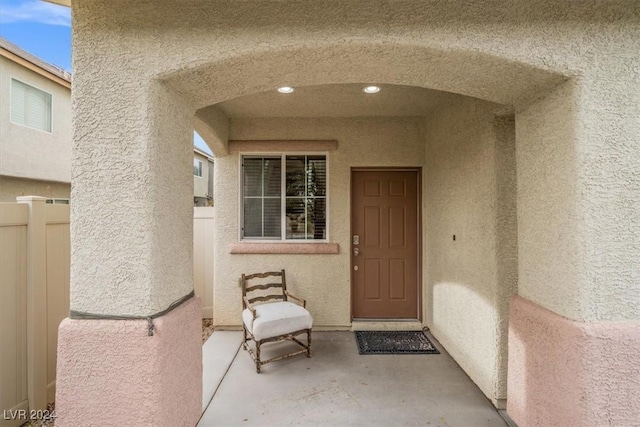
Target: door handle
{"type": "Point", "coordinates": [356, 251]}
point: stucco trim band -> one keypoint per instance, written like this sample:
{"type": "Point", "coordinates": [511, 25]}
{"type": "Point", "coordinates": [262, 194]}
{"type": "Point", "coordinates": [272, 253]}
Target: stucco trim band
{"type": "Point", "coordinates": [284, 248]}
{"type": "Point", "coordinates": [74, 314]}
{"type": "Point", "coordinates": [110, 370]}
{"type": "Point", "coordinates": [277, 146]}
{"type": "Point", "coordinates": [563, 372]}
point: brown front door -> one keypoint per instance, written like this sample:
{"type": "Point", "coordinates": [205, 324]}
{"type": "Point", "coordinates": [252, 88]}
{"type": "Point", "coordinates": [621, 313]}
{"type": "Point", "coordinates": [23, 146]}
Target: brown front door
{"type": "Point", "coordinates": [385, 244]}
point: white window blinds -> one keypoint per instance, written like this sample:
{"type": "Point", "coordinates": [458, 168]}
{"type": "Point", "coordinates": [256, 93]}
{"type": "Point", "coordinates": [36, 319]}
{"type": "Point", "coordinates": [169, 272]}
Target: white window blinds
{"type": "Point", "coordinates": [30, 106]}
{"type": "Point", "coordinates": [262, 197]}
{"type": "Point", "coordinates": [306, 187]}
{"type": "Point", "coordinates": [284, 197]}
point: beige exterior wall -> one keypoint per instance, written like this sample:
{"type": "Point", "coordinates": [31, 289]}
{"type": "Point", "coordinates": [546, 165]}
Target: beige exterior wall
{"type": "Point", "coordinates": [468, 190]}
{"type": "Point", "coordinates": [11, 187]}
{"type": "Point", "coordinates": [470, 194]}
{"type": "Point", "coordinates": [547, 145]}
{"type": "Point", "coordinates": [31, 153]}
{"type": "Point", "coordinates": [324, 280]}
{"type": "Point", "coordinates": [579, 196]}
{"type": "Point", "coordinates": [533, 49]}
{"type": "Point", "coordinates": [213, 126]}
{"type": "Point", "coordinates": [147, 169]}
{"type": "Point", "coordinates": [568, 69]}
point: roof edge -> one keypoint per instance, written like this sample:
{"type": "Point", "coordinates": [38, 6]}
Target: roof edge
{"type": "Point", "coordinates": [35, 64]}
{"type": "Point", "coordinates": [60, 2]}
{"type": "Point", "coordinates": [202, 153]}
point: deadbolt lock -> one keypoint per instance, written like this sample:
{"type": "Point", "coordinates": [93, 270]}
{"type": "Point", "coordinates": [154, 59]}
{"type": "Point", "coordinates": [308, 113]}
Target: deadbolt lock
{"type": "Point", "coordinates": [356, 239]}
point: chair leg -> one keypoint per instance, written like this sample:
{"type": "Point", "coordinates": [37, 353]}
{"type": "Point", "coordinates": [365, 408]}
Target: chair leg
{"type": "Point", "coordinates": [258, 364]}
{"type": "Point", "coordinates": [308, 342]}
{"type": "Point", "coordinates": [244, 335]}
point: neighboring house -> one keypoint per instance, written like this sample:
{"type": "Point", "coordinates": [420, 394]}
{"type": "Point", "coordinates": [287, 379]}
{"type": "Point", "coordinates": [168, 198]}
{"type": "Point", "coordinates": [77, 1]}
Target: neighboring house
{"type": "Point", "coordinates": [489, 192]}
{"type": "Point", "coordinates": [35, 132]}
{"type": "Point", "coordinates": [202, 178]}
{"type": "Point", "coordinates": [35, 126]}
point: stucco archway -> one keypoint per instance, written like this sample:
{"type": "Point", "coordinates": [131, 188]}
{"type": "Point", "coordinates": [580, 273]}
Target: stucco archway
{"type": "Point", "coordinates": [467, 72]}
{"type": "Point", "coordinates": [507, 84]}
{"type": "Point", "coordinates": [143, 69]}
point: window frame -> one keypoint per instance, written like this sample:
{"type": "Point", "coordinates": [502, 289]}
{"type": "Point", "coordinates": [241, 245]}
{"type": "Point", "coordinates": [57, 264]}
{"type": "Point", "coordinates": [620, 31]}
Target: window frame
{"type": "Point", "coordinates": [201, 168]}
{"type": "Point", "coordinates": [58, 201]}
{"type": "Point", "coordinates": [51, 117]}
{"type": "Point", "coordinates": [283, 199]}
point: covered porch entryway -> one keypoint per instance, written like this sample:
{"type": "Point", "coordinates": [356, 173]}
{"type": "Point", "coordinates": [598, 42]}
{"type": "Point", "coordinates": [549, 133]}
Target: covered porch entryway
{"type": "Point", "coordinates": [530, 198]}
{"type": "Point", "coordinates": [339, 387]}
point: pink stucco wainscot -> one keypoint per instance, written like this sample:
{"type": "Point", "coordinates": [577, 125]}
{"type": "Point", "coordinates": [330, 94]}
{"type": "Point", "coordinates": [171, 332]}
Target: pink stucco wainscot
{"type": "Point", "coordinates": [568, 373]}
{"type": "Point", "coordinates": [111, 373]}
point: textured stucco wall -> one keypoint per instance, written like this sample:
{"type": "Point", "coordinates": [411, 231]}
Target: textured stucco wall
{"type": "Point", "coordinates": [548, 223]}
{"type": "Point", "coordinates": [505, 52]}
{"type": "Point", "coordinates": [132, 210]}
{"type": "Point", "coordinates": [609, 187]}
{"type": "Point", "coordinates": [32, 153]}
{"type": "Point", "coordinates": [11, 187]}
{"type": "Point", "coordinates": [324, 280]}
{"type": "Point", "coordinates": [470, 193]}
{"type": "Point", "coordinates": [213, 126]}
{"type": "Point", "coordinates": [579, 200]}
{"type": "Point", "coordinates": [581, 373]}
{"type": "Point", "coordinates": [506, 241]}
{"type": "Point", "coordinates": [110, 373]}
{"type": "Point", "coordinates": [132, 182]}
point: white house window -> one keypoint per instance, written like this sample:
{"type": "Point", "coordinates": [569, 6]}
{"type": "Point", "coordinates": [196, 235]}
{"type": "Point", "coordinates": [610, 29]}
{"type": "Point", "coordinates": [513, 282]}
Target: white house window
{"type": "Point", "coordinates": [197, 167]}
{"type": "Point", "coordinates": [284, 203]}
{"type": "Point", "coordinates": [30, 106]}
{"type": "Point", "coordinates": [57, 201]}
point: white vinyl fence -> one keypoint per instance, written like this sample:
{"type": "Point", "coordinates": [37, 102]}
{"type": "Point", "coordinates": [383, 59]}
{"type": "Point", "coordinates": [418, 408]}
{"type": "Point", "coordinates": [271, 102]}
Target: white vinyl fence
{"type": "Point", "coordinates": [203, 258]}
{"type": "Point", "coordinates": [34, 296]}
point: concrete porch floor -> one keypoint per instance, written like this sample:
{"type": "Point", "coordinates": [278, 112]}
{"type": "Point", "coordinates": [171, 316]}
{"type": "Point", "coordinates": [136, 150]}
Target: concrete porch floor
{"type": "Point", "coordinates": [339, 387]}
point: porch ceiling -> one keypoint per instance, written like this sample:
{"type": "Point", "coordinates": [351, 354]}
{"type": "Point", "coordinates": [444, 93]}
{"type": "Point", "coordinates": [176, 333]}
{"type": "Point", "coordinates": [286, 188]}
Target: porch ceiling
{"type": "Point", "coordinates": [339, 100]}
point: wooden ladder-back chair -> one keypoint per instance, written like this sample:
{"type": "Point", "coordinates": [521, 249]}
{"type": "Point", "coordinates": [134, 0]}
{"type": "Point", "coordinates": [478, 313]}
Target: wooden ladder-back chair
{"type": "Point", "coordinates": [271, 316]}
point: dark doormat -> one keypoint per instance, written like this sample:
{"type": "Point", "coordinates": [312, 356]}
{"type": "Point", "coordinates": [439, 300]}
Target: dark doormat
{"type": "Point", "coordinates": [394, 342]}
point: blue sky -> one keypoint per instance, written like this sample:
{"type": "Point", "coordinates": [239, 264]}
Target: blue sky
{"type": "Point", "coordinates": [44, 30]}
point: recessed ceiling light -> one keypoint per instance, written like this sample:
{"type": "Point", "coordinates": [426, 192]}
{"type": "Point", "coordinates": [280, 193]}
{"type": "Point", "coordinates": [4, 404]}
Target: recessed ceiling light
{"type": "Point", "coordinates": [286, 89]}
{"type": "Point", "coordinates": [371, 89]}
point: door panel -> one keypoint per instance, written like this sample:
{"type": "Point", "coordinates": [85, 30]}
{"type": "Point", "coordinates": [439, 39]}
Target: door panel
{"type": "Point", "coordinates": [384, 216]}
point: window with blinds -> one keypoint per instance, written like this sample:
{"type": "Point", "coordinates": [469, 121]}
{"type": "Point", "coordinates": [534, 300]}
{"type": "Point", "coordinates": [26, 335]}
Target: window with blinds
{"type": "Point", "coordinates": [30, 106]}
{"type": "Point", "coordinates": [197, 167]}
{"type": "Point", "coordinates": [284, 197]}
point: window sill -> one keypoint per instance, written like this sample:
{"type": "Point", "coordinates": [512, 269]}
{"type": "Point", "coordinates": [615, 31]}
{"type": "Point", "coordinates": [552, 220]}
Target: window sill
{"type": "Point", "coordinates": [284, 248]}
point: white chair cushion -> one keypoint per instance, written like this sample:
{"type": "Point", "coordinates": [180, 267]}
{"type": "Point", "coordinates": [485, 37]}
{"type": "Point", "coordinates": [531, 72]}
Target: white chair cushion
{"type": "Point", "coordinates": [276, 318]}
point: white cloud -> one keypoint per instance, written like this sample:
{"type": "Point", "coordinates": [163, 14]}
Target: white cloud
{"type": "Point", "coordinates": [35, 11]}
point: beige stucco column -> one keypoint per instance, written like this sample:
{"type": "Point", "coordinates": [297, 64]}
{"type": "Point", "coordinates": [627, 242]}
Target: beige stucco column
{"type": "Point", "coordinates": [575, 327]}
{"type": "Point", "coordinates": [131, 234]}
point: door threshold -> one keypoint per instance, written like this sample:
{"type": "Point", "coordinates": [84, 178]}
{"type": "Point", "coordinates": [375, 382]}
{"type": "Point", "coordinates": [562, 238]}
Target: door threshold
{"type": "Point", "coordinates": [386, 325]}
